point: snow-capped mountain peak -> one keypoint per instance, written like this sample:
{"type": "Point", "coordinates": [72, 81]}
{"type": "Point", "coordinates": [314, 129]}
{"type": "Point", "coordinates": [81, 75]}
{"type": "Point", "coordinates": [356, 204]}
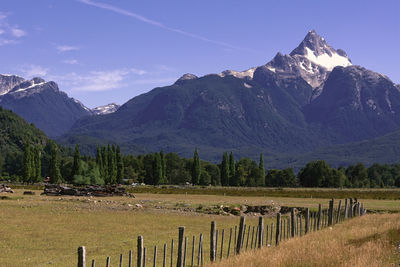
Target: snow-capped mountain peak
{"type": "Point", "coordinates": [312, 60]}
{"type": "Point", "coordinates": [317, 50]}
{"type": "Point", "coordinates": [106, 109]}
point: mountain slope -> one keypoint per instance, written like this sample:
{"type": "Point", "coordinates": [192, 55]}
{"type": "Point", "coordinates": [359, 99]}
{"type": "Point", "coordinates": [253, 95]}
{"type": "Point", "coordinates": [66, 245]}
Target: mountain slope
{"type": "Point", "coordinates": [312, 98]}
{"type": "Point", "coordinates": [384, 149]}
{"type": "Point", "coordinates": [212, 112]}
{"type": "Point", "coordinates": [42, 103]}
{"type": "Point", "coordinates": [14, 133]}
{"type": "Point", "coordinates": [356, 104]}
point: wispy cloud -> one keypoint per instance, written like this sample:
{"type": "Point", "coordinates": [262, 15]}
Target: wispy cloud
{"type": "Point", "coordinates": [70, 61]}
{"type": "Point", "coordinates": [156, 80]}
{"type": "Point", "coordinates": [16, 32]}
{"type": "Point", "coordinates": [97, 80]}
{"type": "Point", "coordinates": [156, 23]}
{"type": "Point", "coordinates": [31, 70]}
{"type": "Point", "coordinates": [66, 48]}
{"type": "Point", "coordinates": [10, 33]}
{"type": "Point", "coordinates": [7, 41]}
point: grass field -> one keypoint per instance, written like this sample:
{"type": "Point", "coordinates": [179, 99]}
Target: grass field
{"type": "Point", "coordinates": [371, 240]}
{"type": "Point", "coordinates": [46, 231]}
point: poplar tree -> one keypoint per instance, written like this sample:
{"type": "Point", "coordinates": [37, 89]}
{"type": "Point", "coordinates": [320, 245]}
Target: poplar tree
{"type": "Point", "coordinates": [28, 168]}
{"type": "Point", "coordinates": [225, 170]}
{"type": "Point", "coordinates": [104, 167]}
{"type": "Point", "coordinates": [260, 180]}
{"type": "Point", "coordinates": [76, 167]}
{"type": "Point", "coordinates": [120, 166]}
{"type": "Point", "coordinates": [231, 168]}
{"type": "Point", "coordinates": [99, 159]}
{"type": "Point", "coordinates": [38, 164]}
{"type": "Point", "coordinates": [54, 166]}
{"type": "Point", "coordinates": [196, 168]}
{"type": "Point", "coordinates": [163, 166]}
{"type": "Point", "coordinates": [157, 169]}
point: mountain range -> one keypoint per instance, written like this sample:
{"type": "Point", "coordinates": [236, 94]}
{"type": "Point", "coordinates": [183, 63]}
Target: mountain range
{"type": "Point", "coordinates": [43, 104]}
{"type": "Point", "coordinates": [296, 106]}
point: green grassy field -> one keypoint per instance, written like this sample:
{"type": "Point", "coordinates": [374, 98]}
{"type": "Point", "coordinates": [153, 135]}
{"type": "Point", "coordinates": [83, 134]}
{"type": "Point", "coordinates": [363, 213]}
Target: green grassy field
{"type": "Point", "coordinates": [46, 231]}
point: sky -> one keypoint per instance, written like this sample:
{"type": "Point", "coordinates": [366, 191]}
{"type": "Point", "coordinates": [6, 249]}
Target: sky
{"type": "Point", "coordinates": [103, 51]}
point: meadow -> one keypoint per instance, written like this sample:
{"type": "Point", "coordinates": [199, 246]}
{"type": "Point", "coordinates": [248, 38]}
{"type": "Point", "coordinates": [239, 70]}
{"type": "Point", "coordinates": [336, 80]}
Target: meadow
{"type": "Point", "coordinates": [46, 231]}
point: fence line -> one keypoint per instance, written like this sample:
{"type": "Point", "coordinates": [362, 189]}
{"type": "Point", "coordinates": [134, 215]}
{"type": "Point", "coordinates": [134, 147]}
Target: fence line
{"type": "Point", "coordinates": [282, 230]}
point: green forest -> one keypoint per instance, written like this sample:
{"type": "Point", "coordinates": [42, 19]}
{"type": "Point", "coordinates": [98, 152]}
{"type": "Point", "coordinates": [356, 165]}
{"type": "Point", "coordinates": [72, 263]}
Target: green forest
{"type": "Point", "coordinates": [29, 156]}
{"type": "Point", "coordinates": [110, 166]}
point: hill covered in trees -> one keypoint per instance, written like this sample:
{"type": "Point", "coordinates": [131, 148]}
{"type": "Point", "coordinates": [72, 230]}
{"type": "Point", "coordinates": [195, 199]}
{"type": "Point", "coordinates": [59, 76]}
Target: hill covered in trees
{"type": "Point", "coordinates": [15, 133]}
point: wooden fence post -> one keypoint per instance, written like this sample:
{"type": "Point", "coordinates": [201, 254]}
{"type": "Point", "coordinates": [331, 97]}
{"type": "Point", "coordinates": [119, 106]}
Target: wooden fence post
{"type": "Point", "coordinates": [301, 226]}
{"type": "Point", "coordinates": [185, 251]}
{"type": "Point", "coordinates": [120, 260]}
{"type": "Point", "coordinates": [351, 208]}
{"type": "Point", "coordinates": [222, 243]}
{"type": "Point", "coordinates": [179, 262]}
{"type": "Point", "coordinates": [155, 257]}
{"type": "Point", "coordinates": [338, 211]}
{"type": "Point", "coordinates": [140, 251]}
{"type": "Point", "coordinates": [172, 253]}
{"type": "Point", "coordinates": [252, 238]}
{"type": "Point", "coordinates": [144, 257]}
{"type": "Point", "coordinates": [278, 224]}
{"type": "Point", "coordinates": [164, 264]}
{"type": "Point", "coordinates": [93, 263]}
{"type": "Point", "coordinates": [81, 256]}
{"type": "Point", "coordinates": [330, 215]}
{"type": "Point", "coordinates": [319, 219]}
{"type": "Point", "coordinates": [346, 209]}
{"type": "Point", "coordinates": [272, 231]}
{"type": "Point", "coordinates": [248, 235]}
{"type": "Point", "coordinates": [229, 244]}
{"type": "Point", "coordinates": [108, 262]}
{"type": "Point", "coordinates": [193, 250]}
{"type": "Point", "coordinates": [240, 235]}
{"type": "Point", "coordinates": [130, 258]}
{"type": "Point", "coordinates": [292, 223]}
{"type": "Point", "coordinates": [307, 220]}
{"type": "Point", "coordinates": [212, 241]}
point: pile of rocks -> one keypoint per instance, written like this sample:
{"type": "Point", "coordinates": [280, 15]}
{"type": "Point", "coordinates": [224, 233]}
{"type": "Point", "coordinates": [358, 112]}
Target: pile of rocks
{"type": "Point", "coordinates": [91, 190]}
{"type": "Point", "coordinates": [5, 189]}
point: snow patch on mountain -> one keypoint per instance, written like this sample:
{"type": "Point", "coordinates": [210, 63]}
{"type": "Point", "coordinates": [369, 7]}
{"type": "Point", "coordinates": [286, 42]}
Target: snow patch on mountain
{"type": "Point", "coordinates": [31, 86]}
{"type": "Point", "coordinates": [106, 109]}
{"type": "Point", "coordinates": [328, 61]}
{"type": "Point", "coordinates": [238, 74]}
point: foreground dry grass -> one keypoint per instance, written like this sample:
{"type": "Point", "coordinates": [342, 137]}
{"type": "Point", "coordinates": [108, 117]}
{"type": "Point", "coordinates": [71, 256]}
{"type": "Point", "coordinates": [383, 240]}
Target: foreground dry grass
{"type": "Point", "coordinates": [372, 240]}
{"type": "Point", "coordinates": [46, 231]}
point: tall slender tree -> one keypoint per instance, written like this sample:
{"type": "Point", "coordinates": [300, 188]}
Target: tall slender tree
{"type": "Point", "coordinates": [28, 163]}
{"type": "Point", "coordinates": [54, 166]}
{"type": "Point", "coordinates": [120, 166]}
{"type": "Point", "coordinates": [196, 171]}
{"type": "Point", "coordinates": [163, 166]}
{"type": "Point", "coordinates": [261, 175]}
{"type": "Point", "coordinates": [77, 165]}
{"type": "Point", "coordinates": [38, 165]}
{"type": "Point", "coordinates": [231, 168]}
{"type": "Point", "coordinates": [225, 170]}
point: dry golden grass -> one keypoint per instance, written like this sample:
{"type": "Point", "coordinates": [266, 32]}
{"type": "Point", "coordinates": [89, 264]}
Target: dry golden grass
{"type": "Point", "coordinates": [46, 231]}
{"type": "Point", "coordinates": [371, 240]}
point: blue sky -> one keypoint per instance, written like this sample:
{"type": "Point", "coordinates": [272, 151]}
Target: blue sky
{"type": "Point", "coordinates": [102, 51]}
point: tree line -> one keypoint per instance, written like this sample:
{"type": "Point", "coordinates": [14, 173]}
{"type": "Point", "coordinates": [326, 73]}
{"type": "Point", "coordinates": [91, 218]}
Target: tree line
{"type": "Point", "coordinates": [110, 166]}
